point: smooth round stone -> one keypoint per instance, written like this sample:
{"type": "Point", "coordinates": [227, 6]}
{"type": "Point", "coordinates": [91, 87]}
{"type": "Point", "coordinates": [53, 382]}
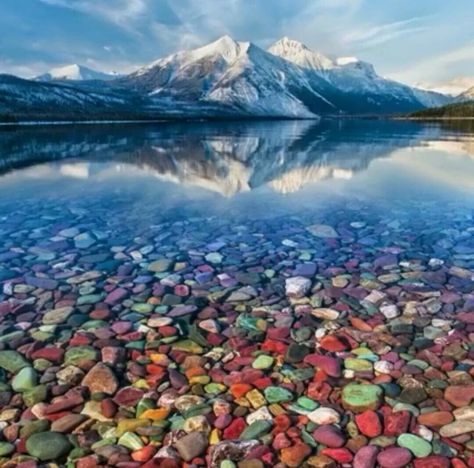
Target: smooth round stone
{"type": "Point", "coordinates": [329, 436]}
{"type": "Point", "coordinates": [263, 362]}
{"type": "Point", "coordinates": [418, 446]}
{"type": "Point", "coordinates": [457, 428]}
{"type": "Point", "coordinates": [394, 457]}
{"type": "Point", "coordinates": [25, 380]}
{"type": "Point", "coordinates": [324, 416]}
{"type": "Point", "coordinates": [366, 457]}
{"type": "Point", "coordinates": [361, 397]}
{"type": "Point", "coordinates": [48, 445]}
{"type": "Point", "coordinates": [6, 448]}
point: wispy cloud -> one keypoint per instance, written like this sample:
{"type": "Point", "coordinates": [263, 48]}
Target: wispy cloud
{"type": "Point", "coordinates": [371, 36]}
{"type": "Point", "coordinates": [119, 12]}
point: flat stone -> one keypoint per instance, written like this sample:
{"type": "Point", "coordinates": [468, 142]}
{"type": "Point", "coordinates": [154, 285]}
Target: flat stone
{"type": "Point", "coordinates": [325, 314]}
{"type": "Point", "coordinates": [418, 446]}
{"type": "Point", "coordinates": [101, 379]}
{"type": "Point", "coordinates": [394, 457]}
{"type": "Point", "coordinates": [12, 361]}
{"type": "Point", "coordinates": [361, 397]}
{"type": "Point", "coordinates": [457, 428]}
{"type": "Point", "coordinates": [323, 416]}
{"type": "Point", "coordinates": [48, 446]}
{"type": "Point", "coordinates": [277, 394]}
{"type": "Point", "coordinates": [297, 286]}
{"type": "Point", "coordinates": [323, 231]}
{"type": "Point", "coordinates": [57, 316]}
{"type": "Point", "coordinates": [191, 445]}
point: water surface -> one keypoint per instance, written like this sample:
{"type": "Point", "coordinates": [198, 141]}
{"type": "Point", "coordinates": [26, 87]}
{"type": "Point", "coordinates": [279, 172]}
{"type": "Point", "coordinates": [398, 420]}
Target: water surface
{"type": "Point", "coordinates": [140, 245]}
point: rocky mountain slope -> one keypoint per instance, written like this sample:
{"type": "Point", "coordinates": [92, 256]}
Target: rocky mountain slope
{"type": "Point", "coordinates": [224, 79]}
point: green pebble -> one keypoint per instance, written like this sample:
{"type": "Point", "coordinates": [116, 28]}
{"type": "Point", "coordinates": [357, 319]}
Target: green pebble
{"type": "Point", "coordinates": [12, 361]}
{"type": "Point", "coordinates": [77, 354]}
{"type": "Point", "coordinates": [33, 427]}
{"type": "Point", "coordinates": [361, 397]}
{"type": "Point", "coordinates": [48, 445]}
{"type": "Point", "coordinates": [256, 429]}
{"type": "Point", "coordinates": [227, 464]}
{"type": "Point", "coordinates": [16, 335]}
{"type": "Point", "coordinates": [417, 445]}
{"type": "Point", "coordinates": [89, 299]}
{"type": "Point", "coordinates": [263, 362]}
{"type": "Point", "coordinates": [25, 380]}
{"type": "Point", "coordinates": [35, 395]}
{"type": "Point", "coordinates": [131, 441]}
{"type": "Point", "coordinates": [359, 365]}
{"type": "Point", "coordinates": [6, 448]}
{"type": "Point", "coordinates": [143, 308]}
{"type": "Point", "coordinates": [307, 403]}
{"type": "Point", "coordinates": [277, 394]}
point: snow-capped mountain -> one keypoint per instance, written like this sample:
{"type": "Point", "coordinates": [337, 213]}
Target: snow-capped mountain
{"type": "Point", "coordinates": [224, 79]}
{"type": "Point", "coordinates": [360, 88]}
{"type": "Point", "coordinates": [467, 95]}
{"type": "Point", "coordinates": [453, 87]}
{"type": "Point", "coordinates": [298, 53]}
{"type": "Point", "coordinates": [75, 72]}
{"type": "Point", "coordinates": [238, 75]}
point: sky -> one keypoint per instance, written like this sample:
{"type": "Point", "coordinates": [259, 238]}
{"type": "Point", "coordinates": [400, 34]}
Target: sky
{"type": "Point", "coordinates": [413, 41]}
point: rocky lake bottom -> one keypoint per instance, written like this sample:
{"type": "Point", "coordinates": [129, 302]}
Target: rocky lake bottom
{"type": "Point", "coordinates": [283, 294]}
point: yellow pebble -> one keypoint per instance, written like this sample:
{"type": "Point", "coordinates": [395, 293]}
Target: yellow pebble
{"type": "Point", "coordinates": [155, 414]}
{"type": "Point", "coordinates": [214, 437]}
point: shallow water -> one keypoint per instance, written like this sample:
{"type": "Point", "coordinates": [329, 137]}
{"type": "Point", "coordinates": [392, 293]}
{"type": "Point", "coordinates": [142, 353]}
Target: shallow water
{"type": "Point", "coordinates": [230, 211]}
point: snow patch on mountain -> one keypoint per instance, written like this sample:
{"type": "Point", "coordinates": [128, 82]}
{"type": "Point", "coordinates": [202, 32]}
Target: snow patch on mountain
{"type": "Point", "coordinates": [298, 53]}
{"type": "Point", "coordinates": [75, 72]}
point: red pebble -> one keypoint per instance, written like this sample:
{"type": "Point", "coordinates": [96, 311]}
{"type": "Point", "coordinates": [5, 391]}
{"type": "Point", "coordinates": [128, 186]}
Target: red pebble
{"type": "Point", "coordinates": [332, 343]}
{"type": "Point", "coordinates": [341, 455]}
{"type": "Point", "coordinates": [433, 461]}
{"type": "Point", "coordinates": [234, 429]}
{"type": "Point", "coordinates": [87, 462]}
{"type": "Point", "coordinates": [396, 423]}
{"type": "Point", "coordinates": [51, 354]}
{"type": "Point", "coordinates": [369, 423]}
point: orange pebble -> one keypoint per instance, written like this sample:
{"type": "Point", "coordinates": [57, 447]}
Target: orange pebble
{"type": "Point", "coordinates": [157, 414]}
{"type": "Point", "coordinates": [194, 371]}
{"type": "Point", "coordinates": [144, 454]}
{"type": "Point", "coordinates": [240, 389]}
{"type": "Point", "coordinates": [360, 324]}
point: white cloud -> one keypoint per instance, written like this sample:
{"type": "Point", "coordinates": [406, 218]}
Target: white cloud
{"type": "Point", "coordinates": [119, 12]}
{"type": "Point", "coordinates": [371, 36]}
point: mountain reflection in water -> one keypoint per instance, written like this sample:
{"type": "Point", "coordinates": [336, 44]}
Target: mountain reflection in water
{"type": "Point", "coordinates": [226, 158]}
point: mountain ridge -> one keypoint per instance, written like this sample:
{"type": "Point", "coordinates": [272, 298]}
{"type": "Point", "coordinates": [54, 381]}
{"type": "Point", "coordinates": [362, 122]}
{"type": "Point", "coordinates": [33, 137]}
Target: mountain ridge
{"type": "Point", "coordinates": [229, 78]}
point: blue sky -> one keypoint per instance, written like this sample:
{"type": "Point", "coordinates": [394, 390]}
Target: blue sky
{"type": "Point", "coordinates": [409, 40]}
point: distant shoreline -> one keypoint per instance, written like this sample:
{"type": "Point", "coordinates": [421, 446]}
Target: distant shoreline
{"type": "Point", "coordinates": [33, 123]}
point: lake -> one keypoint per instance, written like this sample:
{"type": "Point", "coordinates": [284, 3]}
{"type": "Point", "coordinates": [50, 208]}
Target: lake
{"type": "Point", "coordinates": [232, 278]}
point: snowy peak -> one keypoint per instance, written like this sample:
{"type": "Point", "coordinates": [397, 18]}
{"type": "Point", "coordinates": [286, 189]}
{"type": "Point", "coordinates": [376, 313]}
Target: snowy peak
{"type": "Point", "coordinates": [74, 72]}
{"type": "Point", "coordinates": [225, 46]}
{"type": "Point", "coordinates": [299, 54]}
{"type": "Point", "coordinates": [467, 95]}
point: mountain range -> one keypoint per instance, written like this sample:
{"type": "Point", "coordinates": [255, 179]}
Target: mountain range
{"type": "Point", "coordinates": [224, 79]}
